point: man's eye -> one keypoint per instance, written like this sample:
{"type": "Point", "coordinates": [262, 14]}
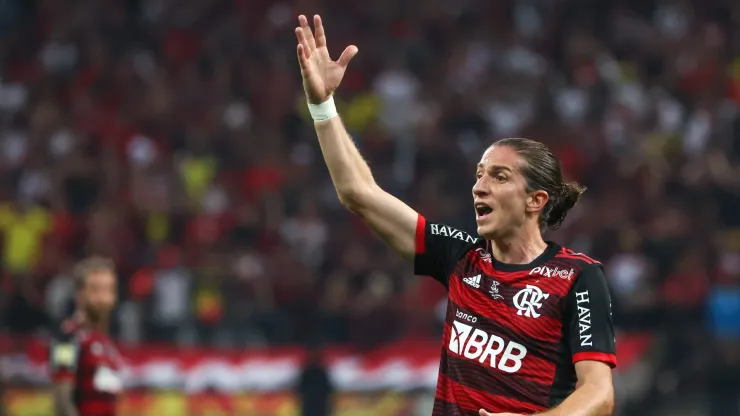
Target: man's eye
{"type": "Point", "coordinates": [501, 178]}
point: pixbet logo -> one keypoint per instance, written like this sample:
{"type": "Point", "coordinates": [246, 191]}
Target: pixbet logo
{"type": "Point", "coordinates": [554, 272]}
{"type": "Point", "coordinates": [474, 344]}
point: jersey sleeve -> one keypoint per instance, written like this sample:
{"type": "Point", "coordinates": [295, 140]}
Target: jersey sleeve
{"type": "Point", "coordinates": [64, 352]}
{"type": "Point", "coordinates": [589, 315]}
{"type": "Point", "coordinates": [438, 249]}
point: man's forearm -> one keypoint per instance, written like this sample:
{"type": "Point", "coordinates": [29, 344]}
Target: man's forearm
{"type": "Point", "coordinates": [66, 409]}
{"type": "Point", "coordinates": [587, 400]}
{"type": "Point", "coordinates": [63, 403]}
{"type": "Point", "coordinates": [349, 171]}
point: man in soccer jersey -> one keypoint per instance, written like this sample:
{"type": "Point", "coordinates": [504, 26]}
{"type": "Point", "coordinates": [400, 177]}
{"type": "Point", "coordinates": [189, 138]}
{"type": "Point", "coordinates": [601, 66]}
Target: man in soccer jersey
{"type": "Point", "coordinates": [84, 361]}
{"type": "Point", "coordinates": [528, 327]}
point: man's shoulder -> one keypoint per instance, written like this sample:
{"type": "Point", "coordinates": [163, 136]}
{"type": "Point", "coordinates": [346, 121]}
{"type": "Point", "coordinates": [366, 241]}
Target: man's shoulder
{"type": "Point", "coordinates": [581, 260]}
{"type": "Point", "coordinates": [567, 264]}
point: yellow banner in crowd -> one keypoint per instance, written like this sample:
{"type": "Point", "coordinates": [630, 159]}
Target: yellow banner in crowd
{"type": "Point", "coordinates": [38, 403]}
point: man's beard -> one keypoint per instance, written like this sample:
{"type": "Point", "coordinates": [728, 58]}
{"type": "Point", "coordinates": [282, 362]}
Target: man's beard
{"type": "Point", "coordinates": [96, 314]}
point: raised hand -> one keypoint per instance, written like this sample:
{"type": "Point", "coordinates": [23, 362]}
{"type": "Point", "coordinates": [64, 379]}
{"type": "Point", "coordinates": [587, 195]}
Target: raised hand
{"type": "Point", "coordinates": [321, 75]}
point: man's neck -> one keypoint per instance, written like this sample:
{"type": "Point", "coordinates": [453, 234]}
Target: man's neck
{"type": "Point", "coordinates": [521, 248]}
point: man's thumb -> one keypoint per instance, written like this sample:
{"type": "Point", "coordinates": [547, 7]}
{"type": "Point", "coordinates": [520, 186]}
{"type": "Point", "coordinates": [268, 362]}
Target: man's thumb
{"type": "Point", "coordinates": [347, 55]}
{"type": "Point", "coordinates": [482, 412]}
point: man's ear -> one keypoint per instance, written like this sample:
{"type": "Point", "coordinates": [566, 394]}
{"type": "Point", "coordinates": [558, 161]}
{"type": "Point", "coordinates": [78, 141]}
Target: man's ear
{"type": "Point", "coordinates": [537, 200]}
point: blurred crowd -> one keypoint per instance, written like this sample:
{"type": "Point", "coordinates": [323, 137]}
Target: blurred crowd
{"type": "Point", "coordinates": [173, 137]}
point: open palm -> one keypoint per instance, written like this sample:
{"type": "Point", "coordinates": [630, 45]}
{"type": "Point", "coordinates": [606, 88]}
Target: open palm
{"type": "Point", "coordinates": [321, 75]}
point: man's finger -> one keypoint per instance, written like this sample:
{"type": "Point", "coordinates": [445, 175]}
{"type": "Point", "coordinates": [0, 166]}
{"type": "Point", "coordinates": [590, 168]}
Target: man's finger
{"type": "Point", "coordinates": [302, 59]}
{"type": "Point", "coordinates": [482, 412]}
{"type": "Point", "coordinates": [347, 55]}
{"type": "Point", "coordinates": [320, 34]}
{"type": "Point", "coordinates": [307, 32]}
{"type": "Point", "coordinates": [300, 35]}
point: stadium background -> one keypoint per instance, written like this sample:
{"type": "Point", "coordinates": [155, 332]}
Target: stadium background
{"type": "Point", "coordinates": [172, 136]}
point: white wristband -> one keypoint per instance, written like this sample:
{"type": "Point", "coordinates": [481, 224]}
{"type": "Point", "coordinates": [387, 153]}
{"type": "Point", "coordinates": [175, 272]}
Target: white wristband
{"type": "Point", "coordinates": [324, 111]}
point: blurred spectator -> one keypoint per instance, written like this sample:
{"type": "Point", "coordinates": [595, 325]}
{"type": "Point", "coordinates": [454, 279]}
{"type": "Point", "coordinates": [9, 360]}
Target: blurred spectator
{"type": "Point", "coordinates": [723, 312]}
{"type": "Point", "coordinates": [306, 232]}
{"type": "Point", "coordinates": [314, 388]}
{"type": "Point", "coordinates": [24, 225]}
{"type": "Point", "coordinates": [208, 303]}
{"type": "Point", "coordinates": [60, 295]}
{"type": "Point", "coordinates": [170, 296]}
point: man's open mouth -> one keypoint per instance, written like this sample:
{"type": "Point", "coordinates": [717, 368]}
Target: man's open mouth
{"type": "Point", "coordinates": [482, 210]}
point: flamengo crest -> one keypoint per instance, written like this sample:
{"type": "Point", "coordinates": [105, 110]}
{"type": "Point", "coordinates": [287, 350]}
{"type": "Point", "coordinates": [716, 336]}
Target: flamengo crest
{"type": "Point", "coordinates": [529, 300]}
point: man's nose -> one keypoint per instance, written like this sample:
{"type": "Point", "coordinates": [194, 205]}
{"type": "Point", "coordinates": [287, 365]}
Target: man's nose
{"type": "Point", "coordinates": [479, 190]}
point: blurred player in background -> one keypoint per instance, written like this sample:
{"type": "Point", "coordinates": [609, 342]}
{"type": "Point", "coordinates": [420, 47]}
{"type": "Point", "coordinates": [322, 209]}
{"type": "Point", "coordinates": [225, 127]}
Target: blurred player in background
{"type": "Point", "coordinates": [83, 359]}
{"type": "Point", "coordinates": [527, 320]}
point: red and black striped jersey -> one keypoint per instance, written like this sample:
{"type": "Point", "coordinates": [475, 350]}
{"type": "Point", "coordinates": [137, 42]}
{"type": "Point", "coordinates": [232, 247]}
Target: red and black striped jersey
{"type": "Point", "coordinates": [513, 332]}
{"type": "Point", "coordinates": [91, 362]}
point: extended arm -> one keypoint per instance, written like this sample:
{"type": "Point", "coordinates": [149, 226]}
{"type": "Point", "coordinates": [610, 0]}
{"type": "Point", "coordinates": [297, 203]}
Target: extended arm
{"type": "Point", "coordinates": [393, 220]}
{"type": "Point", "coordinates": [390, 218]}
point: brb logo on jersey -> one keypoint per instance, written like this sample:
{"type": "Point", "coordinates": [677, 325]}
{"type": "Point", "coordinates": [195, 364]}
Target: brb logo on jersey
{"type": "Point", "coordinates": [474, 344]}
{"type": "Point", "coordinates": [528, 300]}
